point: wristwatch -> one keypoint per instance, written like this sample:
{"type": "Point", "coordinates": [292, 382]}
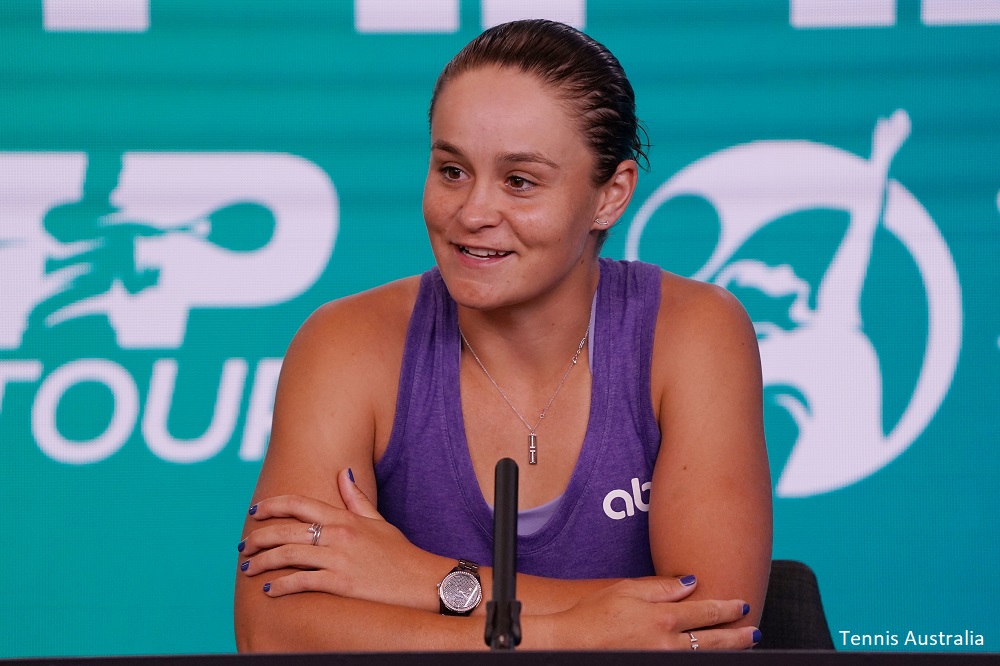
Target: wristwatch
{"type": "Point", "coordinates": [461, 590]}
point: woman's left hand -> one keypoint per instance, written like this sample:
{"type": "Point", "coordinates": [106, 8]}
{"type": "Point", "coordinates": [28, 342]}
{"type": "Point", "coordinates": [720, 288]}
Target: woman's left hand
{"type": "Point", "coordinates": [358, 554]}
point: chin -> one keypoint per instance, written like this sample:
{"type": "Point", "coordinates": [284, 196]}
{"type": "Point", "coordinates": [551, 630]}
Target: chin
{"type": "Point", "coordinates": [471, 295]}
{"type": "Point", "coordinates": [475, 295]}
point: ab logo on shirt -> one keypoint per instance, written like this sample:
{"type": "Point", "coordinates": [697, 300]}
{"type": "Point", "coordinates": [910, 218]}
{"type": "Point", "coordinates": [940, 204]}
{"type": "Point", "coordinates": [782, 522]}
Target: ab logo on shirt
{"type": "Point", "coordinates": [630, 501]}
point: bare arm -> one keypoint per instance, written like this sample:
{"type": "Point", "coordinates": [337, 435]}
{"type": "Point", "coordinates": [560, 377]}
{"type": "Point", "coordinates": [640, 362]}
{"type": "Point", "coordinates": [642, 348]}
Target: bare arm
{"type": "Point", "coordinates": [710, 507]}
{"type": "Point", "coordinates": [311, 616]}
{"type": "Point", "coordinates": [325, 420]}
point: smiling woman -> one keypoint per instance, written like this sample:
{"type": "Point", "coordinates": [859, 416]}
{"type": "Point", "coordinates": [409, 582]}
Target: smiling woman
{"type": "Point", "coordinates": [631, 396]}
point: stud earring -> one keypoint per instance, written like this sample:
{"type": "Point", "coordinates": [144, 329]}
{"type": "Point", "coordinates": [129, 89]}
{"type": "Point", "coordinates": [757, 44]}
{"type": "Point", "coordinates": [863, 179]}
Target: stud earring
{"type": "Point", "coordinates": [603, 223]}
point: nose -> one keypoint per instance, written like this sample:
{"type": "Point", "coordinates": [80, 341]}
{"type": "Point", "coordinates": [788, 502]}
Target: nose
{"type": "Point", "coordinates": [480, 207]}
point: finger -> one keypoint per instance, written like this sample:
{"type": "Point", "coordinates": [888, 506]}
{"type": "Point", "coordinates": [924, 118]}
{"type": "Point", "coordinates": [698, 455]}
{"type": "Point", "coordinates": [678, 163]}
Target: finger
{"type": "Point", "coordinates": [293, 556]}
{"type": "Point", "coordinates": [693, 615]}
{"type": "Point", "coordinates": [657, 589]}
{"type": "Point", "coordinates": [302, 581]}
{"type": "Point", "coordinates": [355, 498]}
{"type": "Point", "coordinates": [282, 534]}
{"type": "Point", "coordinates": [305, 509]}
{"type": "Point", "coordinates": [740, 638]}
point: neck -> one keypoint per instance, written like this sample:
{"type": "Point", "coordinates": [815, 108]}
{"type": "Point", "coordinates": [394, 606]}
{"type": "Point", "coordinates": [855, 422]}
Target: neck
{"type": "Point", "coordinates": [539, 336]}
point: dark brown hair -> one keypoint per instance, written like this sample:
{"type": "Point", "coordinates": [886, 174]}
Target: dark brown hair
{"type": "Point", "coordinates": [586, 74]}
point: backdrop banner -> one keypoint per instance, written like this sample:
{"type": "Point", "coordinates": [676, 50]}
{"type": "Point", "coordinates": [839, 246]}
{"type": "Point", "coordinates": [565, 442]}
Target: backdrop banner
{"type": "Point", "coordinates": [183, 182]}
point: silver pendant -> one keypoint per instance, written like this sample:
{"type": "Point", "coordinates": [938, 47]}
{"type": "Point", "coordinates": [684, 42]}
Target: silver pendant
{"type": "Point", "coordinates": [532, 449]}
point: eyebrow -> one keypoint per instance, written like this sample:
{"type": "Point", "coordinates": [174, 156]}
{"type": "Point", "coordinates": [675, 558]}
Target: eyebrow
{"type": "Point", "coordinates": [526, 156]}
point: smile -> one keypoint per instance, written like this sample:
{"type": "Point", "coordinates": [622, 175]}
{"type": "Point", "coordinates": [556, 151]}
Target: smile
{"type": "Point", "coordinates": [482, 253]}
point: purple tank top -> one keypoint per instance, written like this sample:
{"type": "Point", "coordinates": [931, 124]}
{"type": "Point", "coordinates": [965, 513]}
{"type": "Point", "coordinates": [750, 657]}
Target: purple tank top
{"type": "Point", "coordinates": [600, 529]}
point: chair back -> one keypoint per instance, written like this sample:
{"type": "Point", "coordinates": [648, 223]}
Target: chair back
{"type": "Point", "coordinates": [793, 617]}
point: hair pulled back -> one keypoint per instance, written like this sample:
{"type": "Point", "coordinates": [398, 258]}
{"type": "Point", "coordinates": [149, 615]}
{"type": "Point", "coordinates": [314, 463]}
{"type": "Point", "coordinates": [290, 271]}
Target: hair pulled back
{"type": "Point", "coordinates": [583, 71]}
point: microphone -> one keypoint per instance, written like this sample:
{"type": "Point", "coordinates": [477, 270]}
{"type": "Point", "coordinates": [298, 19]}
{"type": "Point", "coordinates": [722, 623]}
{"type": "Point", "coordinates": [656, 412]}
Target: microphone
{"type": "Point", "coordinates": [503, 612]}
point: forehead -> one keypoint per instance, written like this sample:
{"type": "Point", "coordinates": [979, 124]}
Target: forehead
{"type": "Point", "coordinates": [506, 110]}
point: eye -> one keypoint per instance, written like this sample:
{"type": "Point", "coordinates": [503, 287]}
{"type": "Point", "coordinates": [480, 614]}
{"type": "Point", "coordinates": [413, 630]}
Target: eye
{"type": "Point", "coordinates": [451, 172]}
{"type": "Point", "coordinates": [519, 183]}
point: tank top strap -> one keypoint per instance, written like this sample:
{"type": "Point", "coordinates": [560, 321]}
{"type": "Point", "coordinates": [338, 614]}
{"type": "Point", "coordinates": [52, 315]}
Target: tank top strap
{"type": "Point", "coordinates": [431, 334]}
{"type": "Point", "coordinates": [627, 310]}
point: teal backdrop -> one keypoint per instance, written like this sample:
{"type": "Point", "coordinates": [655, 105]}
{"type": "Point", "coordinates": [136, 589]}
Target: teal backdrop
{"type": "Point", "coordinates": [182, 182]}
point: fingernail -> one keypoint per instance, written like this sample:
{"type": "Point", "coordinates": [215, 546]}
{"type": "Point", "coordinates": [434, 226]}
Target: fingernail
{"type": "Point", "coordinates": [756, 636]}
{"type": "Point", "coordinates": [267, 587]}
{"type": "Point", "coordinates": [350, 475]}
{"type": "Point", "coordinates": [244, 565]}
{"type": "Point", "coordinates": [243, 544]}
{"type": "Point", "coordinates": [688, 581]}
{"type": "Point", "coordinates": [746, 608]}
{"type": "Point", "coordinates": [253, 509]}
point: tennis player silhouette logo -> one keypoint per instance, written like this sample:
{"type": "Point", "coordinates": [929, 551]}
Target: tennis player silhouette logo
{"type": "Point", "coordinates": [818, 359]}
{"type": "Point", "coordinates": [108, 241]}
{"type": "Point", "coordinates": [145, 237]}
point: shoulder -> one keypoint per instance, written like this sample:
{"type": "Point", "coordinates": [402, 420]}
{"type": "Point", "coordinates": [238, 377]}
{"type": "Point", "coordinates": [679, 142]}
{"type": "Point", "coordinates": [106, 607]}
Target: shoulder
{"type": "Point", "coordinates": [703, 334]}
{"type": "Point", "coordinates": [337, 388]}
{"type": "Point", "coordinates": [359, 326]}
{"type": "Point", "coordinates": [691, 310]}
{"type": "Point", "coordinates": [349, 351]}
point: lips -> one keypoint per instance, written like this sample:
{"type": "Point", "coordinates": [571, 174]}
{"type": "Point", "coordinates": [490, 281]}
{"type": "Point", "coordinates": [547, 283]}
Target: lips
{"type": "Point", "coordinates": [482, 252]}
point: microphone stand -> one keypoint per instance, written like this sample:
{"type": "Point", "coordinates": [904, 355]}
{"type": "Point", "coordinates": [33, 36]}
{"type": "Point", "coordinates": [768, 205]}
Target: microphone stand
{"type": "Point", "coordinates": [503, 612]}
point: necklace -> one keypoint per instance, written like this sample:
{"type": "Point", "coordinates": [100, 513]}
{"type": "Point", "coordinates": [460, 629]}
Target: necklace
{"type": "Point", "coordinates": [532, 437]}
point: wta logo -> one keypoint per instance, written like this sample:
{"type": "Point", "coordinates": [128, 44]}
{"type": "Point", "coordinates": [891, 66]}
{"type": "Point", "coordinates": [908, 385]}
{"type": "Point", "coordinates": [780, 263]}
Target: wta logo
{"type": "Point", "coordinates": [143, 238]}
{"type": "Point", "coordinates": [804, 233]}
{"type": "Point", "coordinates": [140, 240]}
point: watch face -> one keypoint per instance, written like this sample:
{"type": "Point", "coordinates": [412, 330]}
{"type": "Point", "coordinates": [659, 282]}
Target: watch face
{"type": "Point", "coordinates": [461, 591]}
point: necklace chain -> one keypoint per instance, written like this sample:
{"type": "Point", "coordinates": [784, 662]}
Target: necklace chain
{"type": "Point", "coordinates": [532, 437]}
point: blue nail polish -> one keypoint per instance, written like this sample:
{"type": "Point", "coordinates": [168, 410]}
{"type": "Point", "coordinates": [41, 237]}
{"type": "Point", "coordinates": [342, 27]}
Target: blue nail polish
{"type": "Point", "coordinates": [243, 544]}
{"type": "Point", "coordinates": [253, 509]}
{"type": "Point", "coordinates": [350, 475]}
{"type": "Point", "coordinates": [756, 636]}
{"type": "Point", "coordinates": [688, 581]}
{"type": "Point", "coordinates": [746, 608]}
{"type": "Point", "coordinates": [267, 587]}
{"type": "Point", "coordinates": [244, 565]}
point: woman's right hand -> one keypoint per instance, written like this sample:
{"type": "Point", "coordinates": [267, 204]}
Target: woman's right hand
{"type": "Point", "coordinates": [355, 554]}
{"type": "Point", "coordinates": [651, 614]}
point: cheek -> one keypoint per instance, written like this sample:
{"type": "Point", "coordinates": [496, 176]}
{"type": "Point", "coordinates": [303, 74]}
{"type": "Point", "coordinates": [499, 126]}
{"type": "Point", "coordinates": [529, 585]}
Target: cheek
{"type": "Point", "coordinates": [437, 205]}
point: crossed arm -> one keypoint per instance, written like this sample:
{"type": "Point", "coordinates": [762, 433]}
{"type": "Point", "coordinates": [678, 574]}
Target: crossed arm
{"type": "Point", "coordinates": [365, 587]}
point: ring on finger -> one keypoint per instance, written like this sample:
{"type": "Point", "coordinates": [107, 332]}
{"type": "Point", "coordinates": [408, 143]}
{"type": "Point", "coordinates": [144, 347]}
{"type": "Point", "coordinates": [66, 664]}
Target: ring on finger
{"type": "Point", "coordinates": [315, 530]}
{"type": "Point", "coordinates": [694, 641]}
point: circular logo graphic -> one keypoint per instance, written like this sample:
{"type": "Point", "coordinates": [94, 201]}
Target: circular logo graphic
{"type": "Point", "coordinates": [824, 354]}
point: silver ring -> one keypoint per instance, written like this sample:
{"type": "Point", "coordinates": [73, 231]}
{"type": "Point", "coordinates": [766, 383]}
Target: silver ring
{"type": "Point", "coordinates": [694, 641]}
{"type": "Point", "coordinates": [315, 529]}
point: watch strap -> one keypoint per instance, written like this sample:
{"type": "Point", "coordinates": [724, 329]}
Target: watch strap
{"type": "Point", "coordinates": [468, 565]}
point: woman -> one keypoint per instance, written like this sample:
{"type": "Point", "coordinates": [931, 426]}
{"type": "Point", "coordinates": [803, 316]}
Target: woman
{"type": "Point", "coordinates": [630, 397]}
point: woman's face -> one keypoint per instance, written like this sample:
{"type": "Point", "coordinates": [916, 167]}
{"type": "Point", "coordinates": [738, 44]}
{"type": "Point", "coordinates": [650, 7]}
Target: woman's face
{"type": "Point", "coordinates": [508, 201]}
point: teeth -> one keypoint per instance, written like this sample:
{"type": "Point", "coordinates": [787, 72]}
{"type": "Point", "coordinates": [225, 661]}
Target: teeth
{"type": "Point", "coordinates": [483, 253]}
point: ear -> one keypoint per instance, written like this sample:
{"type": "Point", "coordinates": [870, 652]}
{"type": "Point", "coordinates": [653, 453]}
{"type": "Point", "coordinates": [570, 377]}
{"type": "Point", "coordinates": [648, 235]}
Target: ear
{"type": "Point", "coordinates": [614, 196]}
